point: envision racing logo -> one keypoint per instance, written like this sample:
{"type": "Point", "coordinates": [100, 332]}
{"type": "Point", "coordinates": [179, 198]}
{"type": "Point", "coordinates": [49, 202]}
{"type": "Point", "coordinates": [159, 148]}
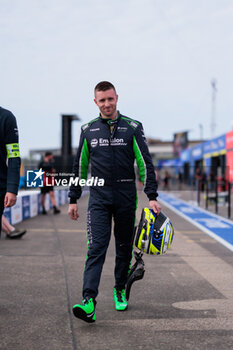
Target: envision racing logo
{"type": "Point", "coordinates": [103, 142]}
{"type": "Point", "coordinates": [94, 142]}
{"type": "Point", "coordinates": [118, 142]}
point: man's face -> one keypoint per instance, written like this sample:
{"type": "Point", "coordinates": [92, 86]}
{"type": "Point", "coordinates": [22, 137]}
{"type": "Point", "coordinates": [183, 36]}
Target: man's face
{"type": "Point", "coordinates": [107, 103]}
{"type": "Point", "coordinates": [49, 158]}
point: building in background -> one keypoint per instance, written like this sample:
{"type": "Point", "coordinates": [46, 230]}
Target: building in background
{"type": "Point", "coordinates": [180, 142]}
{"type": "Point", "coordinates": [215, 156]}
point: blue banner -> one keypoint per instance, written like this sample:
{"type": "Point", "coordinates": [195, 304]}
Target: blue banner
{"type": "Point", "coordinates": [29, 205]}
{"type": "Point", "coordinates": [185, 155]}
{"type": "Point", "coordinates": [197, 152]}
{"type": "Point", "coordinates": [26, 207]}
{"type": "Point", "coordinates": [7, 214]}
{"type": "Point", "coordinates": [216, 145]}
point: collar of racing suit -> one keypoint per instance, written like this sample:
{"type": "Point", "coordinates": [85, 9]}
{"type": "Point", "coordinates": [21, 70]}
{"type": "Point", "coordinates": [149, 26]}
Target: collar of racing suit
{"type": "Point", "coordinates": [110, 121]}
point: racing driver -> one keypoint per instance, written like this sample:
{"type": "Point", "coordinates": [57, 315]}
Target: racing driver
{"type": "Point", "coordinates": [110, 143]}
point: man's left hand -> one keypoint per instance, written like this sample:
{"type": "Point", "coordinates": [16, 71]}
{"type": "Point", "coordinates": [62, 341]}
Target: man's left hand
{"type": "Point", "coordinates": [10, 200]}
{"type": "Point", "coordinates": [155, 207]}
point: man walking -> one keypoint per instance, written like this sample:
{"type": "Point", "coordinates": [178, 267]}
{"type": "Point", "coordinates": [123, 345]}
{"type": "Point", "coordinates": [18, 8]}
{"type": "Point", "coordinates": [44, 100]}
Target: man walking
{"type": "Point", "coordinates": [47, 166]}
{"type": "Point", "coordinates": [110, 143]}
{"type": "Point", "coordinates": [9, 160]}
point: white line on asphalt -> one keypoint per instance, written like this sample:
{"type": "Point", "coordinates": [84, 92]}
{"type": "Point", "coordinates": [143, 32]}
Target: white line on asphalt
{"type": "Point", "coordinates": [52, 230]}
{"type": "Point", "coordinates": [40, 229]}
{"type": "Point", "coordinates": [70, 230]}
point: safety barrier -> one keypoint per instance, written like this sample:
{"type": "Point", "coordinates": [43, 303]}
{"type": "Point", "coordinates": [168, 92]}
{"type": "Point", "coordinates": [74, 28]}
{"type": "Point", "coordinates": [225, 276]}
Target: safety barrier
{"type": "Point", "coordinates": [28, 204]}
{"type": "Point", "coordinates": [218, 193]}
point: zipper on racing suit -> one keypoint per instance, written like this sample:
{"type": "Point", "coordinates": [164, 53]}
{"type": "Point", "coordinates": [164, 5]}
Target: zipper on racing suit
{"type": "Point", "coordinates": [112, 129]}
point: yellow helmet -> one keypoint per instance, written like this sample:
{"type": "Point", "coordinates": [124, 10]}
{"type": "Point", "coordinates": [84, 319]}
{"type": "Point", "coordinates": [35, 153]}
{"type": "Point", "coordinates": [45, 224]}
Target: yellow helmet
{"type": "Point", "coordinates": [155, 232]}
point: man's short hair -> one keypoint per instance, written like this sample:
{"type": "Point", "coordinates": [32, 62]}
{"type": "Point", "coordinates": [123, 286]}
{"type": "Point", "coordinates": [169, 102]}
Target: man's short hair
{"type": "Point", "coordinates": [48, 154]}
{"type": "Point", "coordinates": [104, 85]}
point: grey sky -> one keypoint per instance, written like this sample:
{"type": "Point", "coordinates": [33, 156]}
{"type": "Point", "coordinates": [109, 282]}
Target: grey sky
{"type": "Point", "coordinates": [160, 54]}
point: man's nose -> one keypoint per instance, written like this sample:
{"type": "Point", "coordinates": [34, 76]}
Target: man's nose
{"type": "Point", "coordinates": [107, 103]}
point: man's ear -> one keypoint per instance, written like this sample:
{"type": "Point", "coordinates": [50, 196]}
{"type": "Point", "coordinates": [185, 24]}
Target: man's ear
{"type": "Point", "coordinates": [117, 98]}
{"type": "Point", "coordinates": [95, 101]}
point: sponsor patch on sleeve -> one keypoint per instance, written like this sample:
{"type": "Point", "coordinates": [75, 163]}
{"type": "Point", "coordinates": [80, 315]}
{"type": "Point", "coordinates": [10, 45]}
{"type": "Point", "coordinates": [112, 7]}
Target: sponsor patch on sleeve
{"type": "Point", "coordinates": [12, 150]}
{"type": "Point", "coordinates": [85, 126]}
{"type": "Point", "coordinates": [143, 136]}
{"type": "Point", "coordinates": [134, 125]}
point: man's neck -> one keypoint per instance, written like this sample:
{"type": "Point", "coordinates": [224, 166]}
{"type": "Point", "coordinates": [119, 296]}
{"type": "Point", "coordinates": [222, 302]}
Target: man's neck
{"type": "Point", "coordinates": [113, 117]}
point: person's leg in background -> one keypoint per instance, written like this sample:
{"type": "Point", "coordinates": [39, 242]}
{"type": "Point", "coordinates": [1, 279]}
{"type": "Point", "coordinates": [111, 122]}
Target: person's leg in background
{"type": "Point", "coordinates": [53, 201]}
{"type": "Point", "coordinates": [43, 195]}
{"type": "Point", "coordinates": [2, 196]}
{"type": "Point", "coordinates": [6, 226]}
{"type": "Point", "coordinates": [10, 231]}
{"type": "Point", "coordinates": [49, 190]}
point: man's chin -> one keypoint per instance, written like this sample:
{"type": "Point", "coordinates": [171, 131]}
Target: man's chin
{"type": "Point", "coordinates": [108, 114]}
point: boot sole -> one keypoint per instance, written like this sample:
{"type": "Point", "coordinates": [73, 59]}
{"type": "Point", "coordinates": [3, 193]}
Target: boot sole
{"type": "Point", "coordinates": [122, 309]}
{"type": "Point", "coordinates": [80, 313]}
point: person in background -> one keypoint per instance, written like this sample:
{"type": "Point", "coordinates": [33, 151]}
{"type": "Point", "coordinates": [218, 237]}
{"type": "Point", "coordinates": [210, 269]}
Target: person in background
{"type": "Point", "coordinates": [198, 178]}
{"type": "Point", "coordinates": [9, 160]}
{"type": "Point", "coordinates": [47, 166]}
{"type": "Point", "coordinates": [203, 180]}
{"type": "Point", "coordinates": [180, 180]}
{"type": "Point", "coordinates": [166, 180]}
{"type": "Point", "coordinates": [212, 179]}
{"type": "Point", "coordinates": [10, 231]}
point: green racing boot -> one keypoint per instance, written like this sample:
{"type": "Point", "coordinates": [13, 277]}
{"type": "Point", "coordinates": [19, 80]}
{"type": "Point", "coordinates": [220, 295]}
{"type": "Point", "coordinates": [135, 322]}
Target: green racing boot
{"type": "Point", "coordinates": [120, 300]}
{"type": "Point", "coordinates": [86, 311]}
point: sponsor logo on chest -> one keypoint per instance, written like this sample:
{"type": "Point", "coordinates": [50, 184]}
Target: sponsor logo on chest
{"type": "Point", "coordinates": [106, 142]}
{"type": "Point", "coordinates": [94, 143]}
{"type": "Point", "coordinates": [118, 142]}
{"type": "Point", "coordinates": [122, 129]}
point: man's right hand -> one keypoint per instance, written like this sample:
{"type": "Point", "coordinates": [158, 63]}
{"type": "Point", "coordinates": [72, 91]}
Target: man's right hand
{"type": "Point", "coordinates": [73, 211]}
{"type": "Point", "coordinates": [10, 199]}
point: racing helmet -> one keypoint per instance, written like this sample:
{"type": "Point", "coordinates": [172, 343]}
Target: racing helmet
{"type": "Point", "coordinates": [155, 232]}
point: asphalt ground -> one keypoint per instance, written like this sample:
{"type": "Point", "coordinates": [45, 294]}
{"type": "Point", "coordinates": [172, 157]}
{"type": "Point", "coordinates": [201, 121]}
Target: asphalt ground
{"type": "Point", "coordinates": [185, 300]}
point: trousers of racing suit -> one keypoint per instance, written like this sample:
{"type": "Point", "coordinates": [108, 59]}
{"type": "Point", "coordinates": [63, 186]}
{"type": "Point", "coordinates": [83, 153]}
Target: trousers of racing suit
{"type": "Point", "coordinates": [117, 203]}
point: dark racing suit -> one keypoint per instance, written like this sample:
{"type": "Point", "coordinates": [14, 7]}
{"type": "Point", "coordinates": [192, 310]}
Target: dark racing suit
{"type": "Point", "coordinates": [111, 147]}
{"type": "Point", "coordinates": [9, 156]}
